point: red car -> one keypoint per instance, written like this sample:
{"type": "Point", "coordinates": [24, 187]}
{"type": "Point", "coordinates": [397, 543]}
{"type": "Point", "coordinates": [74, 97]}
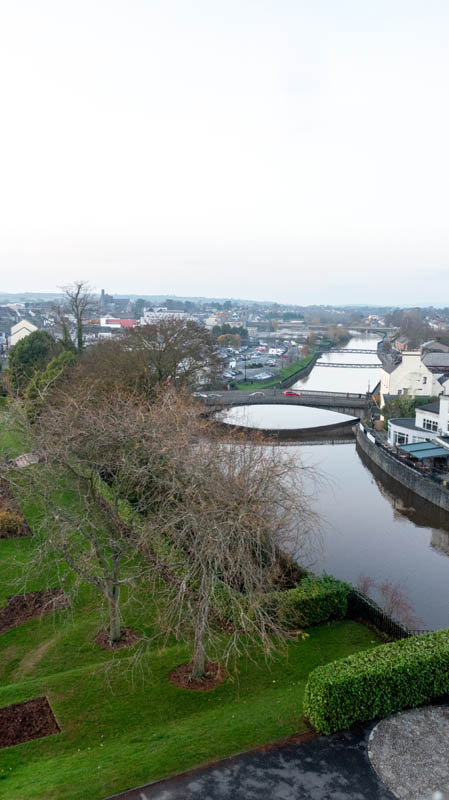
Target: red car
{"type": "Point", "coordinates": [288, 393]}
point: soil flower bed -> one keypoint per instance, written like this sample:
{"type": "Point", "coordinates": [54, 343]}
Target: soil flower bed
{"type": "Point", "coordinates": [21, 722]}
{"type": "Point", "coordinates": [23, 607]}
{"type": "Point", "coordinates": [127, 639]}
{"type": "Point", "coordinates": [214, 675]}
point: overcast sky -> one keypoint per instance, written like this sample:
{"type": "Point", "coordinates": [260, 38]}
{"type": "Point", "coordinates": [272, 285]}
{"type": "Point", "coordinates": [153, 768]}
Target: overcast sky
{"type": "Point", "coordinates": [268, 149]}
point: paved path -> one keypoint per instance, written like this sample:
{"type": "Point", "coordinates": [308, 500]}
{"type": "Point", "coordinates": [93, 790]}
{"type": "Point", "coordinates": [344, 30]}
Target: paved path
{"type": "Point", "coordinates": [318, 768]}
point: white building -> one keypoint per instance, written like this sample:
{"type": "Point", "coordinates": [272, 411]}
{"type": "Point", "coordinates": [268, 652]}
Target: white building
{"type": "Point", "coordinates": [431, 422]}
{"type": "Point", "coordinates": [150, 316]}
{"type": "Point", "coordinates": [20, 330]}
{"type": "Point", "coordinates": [417, 374]}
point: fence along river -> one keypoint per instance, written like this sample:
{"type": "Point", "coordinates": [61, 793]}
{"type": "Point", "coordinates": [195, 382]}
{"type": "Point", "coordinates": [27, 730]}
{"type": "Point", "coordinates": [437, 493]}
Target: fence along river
{"type": "Point", "coordinates": [369, 526]}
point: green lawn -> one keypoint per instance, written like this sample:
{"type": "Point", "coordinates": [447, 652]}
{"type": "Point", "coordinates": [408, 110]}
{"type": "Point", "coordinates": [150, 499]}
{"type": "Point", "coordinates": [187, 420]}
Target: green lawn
{"type": "Point", "coordinates": [122, 722]}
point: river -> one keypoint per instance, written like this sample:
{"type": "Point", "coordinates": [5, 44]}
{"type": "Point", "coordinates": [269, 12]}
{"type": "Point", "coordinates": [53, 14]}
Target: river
{"type": "Point", "coordinates": [347, 379]}
{"type": "Point", "coordinates": [374, 527]}
{"type": "Point", "coordinates": [371, 526]}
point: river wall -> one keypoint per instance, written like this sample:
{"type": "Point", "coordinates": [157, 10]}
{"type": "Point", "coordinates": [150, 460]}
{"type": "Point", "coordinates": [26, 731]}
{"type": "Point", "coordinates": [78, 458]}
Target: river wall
{"type": "Point", "coordinates": [301, 373]}
{"type": "Point", "coordinates": [338, 429]}
{"type": "Point", "coordinates": [425, 487]}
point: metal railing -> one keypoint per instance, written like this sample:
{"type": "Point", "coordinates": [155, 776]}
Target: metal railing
{"type": "Point", "coordinates": [431, 473]}
{"type": "Point", "coordinates": [351, 395]}
{"type": "Point", "coordinates": [360, 605]}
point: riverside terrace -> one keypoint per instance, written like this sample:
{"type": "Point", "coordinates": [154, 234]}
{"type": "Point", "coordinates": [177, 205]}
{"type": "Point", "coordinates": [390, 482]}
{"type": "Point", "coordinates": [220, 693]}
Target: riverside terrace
{"type": "Point", "coordinates": [351, 403]}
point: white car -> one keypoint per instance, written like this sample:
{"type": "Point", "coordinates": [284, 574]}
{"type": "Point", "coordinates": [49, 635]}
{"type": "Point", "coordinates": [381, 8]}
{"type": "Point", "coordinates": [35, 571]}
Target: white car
{"type": "Point", "coordinates": [257, 394]}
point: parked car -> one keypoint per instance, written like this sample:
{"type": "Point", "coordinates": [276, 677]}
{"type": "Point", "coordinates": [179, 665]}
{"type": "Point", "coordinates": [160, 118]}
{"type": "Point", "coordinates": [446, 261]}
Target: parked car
{"type": "Point", "coordinates": [199, 394]}
{"type": "Point", "coordinates": [289, 393]}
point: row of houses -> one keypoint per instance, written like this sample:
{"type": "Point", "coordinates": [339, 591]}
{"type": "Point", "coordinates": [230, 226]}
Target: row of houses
{"type": "Point", "coordinates": [419, 373]}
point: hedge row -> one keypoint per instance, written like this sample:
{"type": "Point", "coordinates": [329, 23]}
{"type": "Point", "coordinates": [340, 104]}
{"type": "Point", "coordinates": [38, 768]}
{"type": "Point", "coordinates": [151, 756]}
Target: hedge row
{"type": "Point", "coordinates": [378, 682]}
{"type": "Point", "coordinates": [312, 602]}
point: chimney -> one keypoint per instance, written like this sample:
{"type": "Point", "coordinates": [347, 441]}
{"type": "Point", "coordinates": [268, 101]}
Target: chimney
{"type": "Point", "coordinates": [443, 415]}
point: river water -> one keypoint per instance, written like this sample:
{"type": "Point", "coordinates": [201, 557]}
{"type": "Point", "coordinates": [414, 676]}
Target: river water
{"type": "Point", "coordinates": [372, 526]}
{"type": "Point", "coordinates": [346, 379]}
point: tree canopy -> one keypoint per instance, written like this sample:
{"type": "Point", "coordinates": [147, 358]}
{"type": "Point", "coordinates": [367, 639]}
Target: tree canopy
{"type": "Point", "coordinates": [219, 330]}
{"type": "Point", "coordinates": [31, 353]}
{"type": "Point", "coordinates": [175, 351]}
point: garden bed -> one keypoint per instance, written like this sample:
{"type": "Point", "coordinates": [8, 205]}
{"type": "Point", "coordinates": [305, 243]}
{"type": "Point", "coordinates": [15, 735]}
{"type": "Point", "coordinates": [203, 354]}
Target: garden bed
{"type": "Point", "coordinates": [21, 722]}
{"type": "Point", "coordinates": [23, 607]}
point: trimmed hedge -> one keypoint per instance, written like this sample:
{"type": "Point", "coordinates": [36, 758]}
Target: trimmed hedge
{"type": "Point", "coordinates": [312, 602]}
{"type": "Point", "coordinates": [378, 682]}
{"type": "Point", "coordinates": [10, 524]}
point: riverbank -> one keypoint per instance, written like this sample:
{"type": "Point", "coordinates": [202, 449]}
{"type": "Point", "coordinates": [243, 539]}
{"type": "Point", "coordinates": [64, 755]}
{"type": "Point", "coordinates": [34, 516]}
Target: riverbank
{"type": "Point", "coordinates": [286, 376]}
{"type": "Point", "coordinates": [426, 487]}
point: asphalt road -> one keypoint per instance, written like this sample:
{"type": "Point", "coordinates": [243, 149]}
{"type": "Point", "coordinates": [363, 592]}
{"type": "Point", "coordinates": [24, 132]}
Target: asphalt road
{"type": "Point", "coordinates": [318, 768]}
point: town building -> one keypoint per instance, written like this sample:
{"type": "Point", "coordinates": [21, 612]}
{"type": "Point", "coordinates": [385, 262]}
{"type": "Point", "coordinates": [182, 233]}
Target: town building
{"type": "Point", "coordinates": [431, 422]}
{"type": "Point", "coordinates": [419, 373]}
{"type": "Point", "coordinates": [153, 315]}
{"type": "Point", "coordinates": [20, 330]}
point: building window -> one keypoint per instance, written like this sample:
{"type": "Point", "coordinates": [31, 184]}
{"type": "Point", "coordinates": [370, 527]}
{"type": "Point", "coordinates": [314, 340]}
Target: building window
{"type": "Point", "coordinates": [430, 425]}
{"type": "Point", "coordinates": [400, 438]}
{"type": "Point", "coordinates": [424, 380]}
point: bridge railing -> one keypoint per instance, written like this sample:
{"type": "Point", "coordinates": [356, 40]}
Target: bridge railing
{"type": "Point", "coordinates": [346, 395]}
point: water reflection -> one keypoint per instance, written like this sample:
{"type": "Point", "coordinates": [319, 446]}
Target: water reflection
{"type": "Point", "coordinates": [281, 417]}
{"type": "Point", "coordinates": [404, 502]}
{"type": "Point", "coordinates": [369, 529]}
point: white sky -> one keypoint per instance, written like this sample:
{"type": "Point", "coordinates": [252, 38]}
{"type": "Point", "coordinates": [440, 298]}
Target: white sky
{"type": "Point", "coordinates": [270, 149]}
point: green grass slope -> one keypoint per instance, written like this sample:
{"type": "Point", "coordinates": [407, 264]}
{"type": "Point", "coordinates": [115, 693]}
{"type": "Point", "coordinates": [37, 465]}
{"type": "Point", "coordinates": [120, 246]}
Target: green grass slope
{"type": "Point", "coordinates": [122, 721]}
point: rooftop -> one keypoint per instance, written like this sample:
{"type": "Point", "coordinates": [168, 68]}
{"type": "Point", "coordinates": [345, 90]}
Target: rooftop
{"type": "Point", "coordinates": [432, 407]}
{"type": "Point", "coordinates": [406, 422]}
{"type": "Point", "coordinates": [433, 359]}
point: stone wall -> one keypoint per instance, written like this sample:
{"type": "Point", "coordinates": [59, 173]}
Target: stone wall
{"type": "Point", "coordinates": [424, 487]}
{"type": "Point", "coordinates": [300, 373]}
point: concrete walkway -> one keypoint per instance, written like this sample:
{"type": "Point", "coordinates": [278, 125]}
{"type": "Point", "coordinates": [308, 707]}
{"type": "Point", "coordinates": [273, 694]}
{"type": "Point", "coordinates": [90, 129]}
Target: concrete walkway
{"type": "Point", "coordinates": [312, 768]}
{"type": "Point", "coordinates": [410, 752]}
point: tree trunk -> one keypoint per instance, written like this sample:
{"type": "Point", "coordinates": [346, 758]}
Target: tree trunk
{"type": "Point", "coordinates": [199, 654]}
{"type": "Point", "coordinates": [115, 623]}
{"type": "Point", "coordinates": [79, 334]}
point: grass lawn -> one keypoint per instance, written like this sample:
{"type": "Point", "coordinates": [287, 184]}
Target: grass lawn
{"type": "Point", "coordinates": [285, 372]}
{"type": "Point", "coordinates": [122, 722]}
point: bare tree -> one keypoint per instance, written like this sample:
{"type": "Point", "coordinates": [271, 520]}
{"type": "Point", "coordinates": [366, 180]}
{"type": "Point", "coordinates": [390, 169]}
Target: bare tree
{"type": "Point", "coordinates": [392, 598]}
{"type": "Point", "coordinates": [134, 490]}
{"type": "Point", "coordinates": [176, 350]}
{"type": "Point", "coordinates": [237, 505]}
{"type": "Point", "coordinates": [104, 465]}
{"type": "Point", "coordinates": [79, 300]}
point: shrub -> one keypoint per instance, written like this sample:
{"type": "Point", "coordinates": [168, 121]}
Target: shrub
{"type": "Point", "coordinates": [378, 682]}
{"type": "Point", "coordinates": [10, 524]}
{"type": "Point", "coordinates": [312, 602]}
